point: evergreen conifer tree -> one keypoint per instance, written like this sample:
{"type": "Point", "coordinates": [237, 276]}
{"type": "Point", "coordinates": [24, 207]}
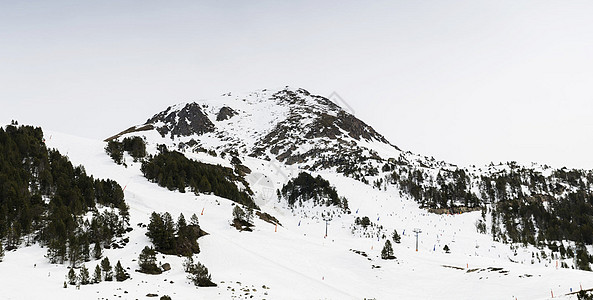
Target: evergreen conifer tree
{"type": "Point", "coordinates": [238, 214]}
{"type": "Point", "coordinates": [72, 278]}
{"type": "Point", "coordinates": [86, 249]}
{"type": "Point", "coordinates": [107, 269]}
{"type": "Point", "coordinates": [198, 273]}
{"type": "Point", "coordinates": [84, 275]}
{"type": "Point", "coordinates": [1, 251]}
{"type": "Point", "coordinates": [169, 232]}
{"type": "Point", "coordinates": [396, 237]}
{"type": "Point", "coordinates": [387, 252]}
{"type": "Point", "coordinates": [97, 251]}
{"type": "Point", "coordinates": [181, 224]}
{"type": "Point", "coordinates": [194, 220]}
{"type": "Point", "coordinates": [97, 275]}
{"type": "Point", "coordinates": [156, 230]}
{"type": "Point", "coordinates": [249, 215]}
{"type": "Point", "coordinates": [147, 261]}
{"type": "Point", "coordinates": [120, 273]}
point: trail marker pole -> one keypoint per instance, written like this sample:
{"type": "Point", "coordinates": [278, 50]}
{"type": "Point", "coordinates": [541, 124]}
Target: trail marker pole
{"type": "Point", "coordinates": [417, 231]}
{"type": "Point", "coordinates": [202, 211]}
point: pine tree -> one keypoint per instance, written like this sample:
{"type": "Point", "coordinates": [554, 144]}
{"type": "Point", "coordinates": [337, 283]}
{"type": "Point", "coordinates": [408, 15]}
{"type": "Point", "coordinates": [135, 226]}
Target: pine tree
{"type": "Point", "coordinates": [74, 250]}
{"type": "Point", "coordinates": [198, 273]}
{"type": "Point", "coordinates": [120, 273]}
{"type": "Point", "coordinates": [181, 224]}
{"type": "Point", "coordinates": [1, 251]}
{"type": "Point", "coordinates": [169, 232]}
{"type": "Point", "coordinates": [387, 252]}
{"type": "Point", "coordinates": [97, 275]}
{"type": "Point", "coordinates": [107, 269]}
{"type": "Point", "coordinates": [147, 261]}
{"type": "Point", "coordinates": [396, 237]}
{"type": "Point", "coordinates": [238, 214]}
{"type": "Point", "coordinates": [84, 275]}
{"type": "Point", "coordinates": [97, 251]}
{"type": "Point", "coordinates": [194, 220]}
{"type": "Point", "coordinates": [249, 215]}
{"type": "Point", "coordinates": [156, 230]}
{"type": "Point", "coordinates": [446, 249]}
{"type": "Point", "coordinates": [72, 278]}
{"type": "Point", "coordinates": [86, 248]}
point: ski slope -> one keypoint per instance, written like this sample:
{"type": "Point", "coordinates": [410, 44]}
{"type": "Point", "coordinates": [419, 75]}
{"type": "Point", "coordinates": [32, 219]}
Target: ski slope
{"type": "Point", "coordinates": [295, 261]}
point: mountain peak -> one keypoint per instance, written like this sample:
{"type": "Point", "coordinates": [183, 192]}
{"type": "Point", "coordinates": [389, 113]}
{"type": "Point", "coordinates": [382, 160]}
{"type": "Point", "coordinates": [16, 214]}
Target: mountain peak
{"type": "Point", "coordinates": [289, 124]}
{"type": "Point", "coordinates": [182, 120]}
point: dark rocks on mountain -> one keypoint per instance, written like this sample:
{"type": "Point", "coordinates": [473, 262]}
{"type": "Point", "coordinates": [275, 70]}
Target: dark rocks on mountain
{"type": "Point", "coordinates": [225, 113]}
{"type": "Point", "coordinates": [357, 129]}
{"type": "Point", "coordinates": [145, 127]}
{"type": "Point", "coordinates": [166, 267]}
{"type": "Point", "coordinates": [268, 218]}
{"type": "Point", "coordinates": [336, 131]}
{"type": "Point", "coordinates": [187, 121]}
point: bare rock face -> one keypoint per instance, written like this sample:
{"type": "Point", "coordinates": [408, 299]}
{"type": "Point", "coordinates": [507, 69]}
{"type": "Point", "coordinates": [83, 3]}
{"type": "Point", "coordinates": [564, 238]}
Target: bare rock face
{"type": "Point", "coordinates": [225, 113]}
{"type": "Point", "coordinates": [184, 122]}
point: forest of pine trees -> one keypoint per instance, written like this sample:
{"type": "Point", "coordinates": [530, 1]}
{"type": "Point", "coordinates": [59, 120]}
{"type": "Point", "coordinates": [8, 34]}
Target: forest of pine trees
{"type": "Point", "coordinates": [174, 171]}
{"type": "Point", "coordinates": [135, 146]}
{"type": "Point", "coordinates": [43, 197]}
{"type": "Point", "coordinates": [305, 187]}
{"type": "Point", "coordinates": [178, 238]}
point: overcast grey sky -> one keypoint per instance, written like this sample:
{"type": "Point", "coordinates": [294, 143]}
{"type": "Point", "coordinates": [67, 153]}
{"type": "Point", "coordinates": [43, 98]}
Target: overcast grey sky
{"type": "Point", "coordinates": [463, 81]}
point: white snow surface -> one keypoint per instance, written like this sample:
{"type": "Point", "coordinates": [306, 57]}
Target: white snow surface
{"type": "Point", "coordinates": [295, 261]}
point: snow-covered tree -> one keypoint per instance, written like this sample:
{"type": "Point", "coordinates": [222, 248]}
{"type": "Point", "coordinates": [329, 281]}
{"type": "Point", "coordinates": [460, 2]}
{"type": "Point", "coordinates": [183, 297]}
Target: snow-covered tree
{"type": "Point", "coordinates": [72, 278]}
{"type": "Point", "coordinates": [107, 269]}
{"type": "Point", "coordinates": [194, 220]}
{"type": "Point", "coordinates": [84, 275]}
{"type": "Point", "coordinates": [387, 252]}
{"type": "Point", "coordinates": [97, 275]}
{"type": "Point", "coordinates": [396, 237]}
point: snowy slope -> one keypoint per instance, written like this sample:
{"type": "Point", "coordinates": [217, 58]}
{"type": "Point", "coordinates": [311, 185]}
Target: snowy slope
{"type": "Point", "coordinates": [296, 262]}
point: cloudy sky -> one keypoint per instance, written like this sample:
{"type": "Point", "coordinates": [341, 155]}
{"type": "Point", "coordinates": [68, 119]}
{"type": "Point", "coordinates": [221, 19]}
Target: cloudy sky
{"type": "Point", "coordinates": [468, 82]}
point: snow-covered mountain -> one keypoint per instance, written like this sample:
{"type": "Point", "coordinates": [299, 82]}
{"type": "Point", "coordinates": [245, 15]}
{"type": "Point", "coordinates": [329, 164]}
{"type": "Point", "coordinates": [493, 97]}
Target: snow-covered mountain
{"type": "Point", "coordinates": [318, 251]}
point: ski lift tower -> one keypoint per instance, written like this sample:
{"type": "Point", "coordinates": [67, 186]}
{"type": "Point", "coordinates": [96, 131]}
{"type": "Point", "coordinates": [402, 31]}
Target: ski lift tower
{"type": "Point", "coordinates": [417, 231]}
{"type": "Point", "coordinates": [326, 219]}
